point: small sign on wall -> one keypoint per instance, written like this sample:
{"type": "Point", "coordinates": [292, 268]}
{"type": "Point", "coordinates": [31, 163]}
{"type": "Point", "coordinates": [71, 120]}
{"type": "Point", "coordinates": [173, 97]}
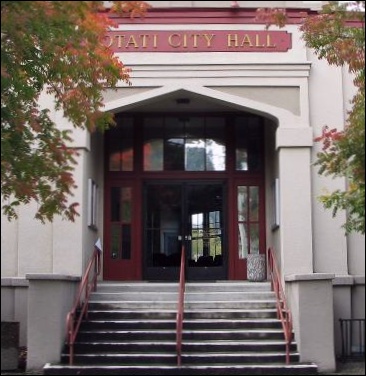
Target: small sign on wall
{"type": "Point", "coordinates": [92, 204]}
{"type": "Point", "coordinates": [275, 204]}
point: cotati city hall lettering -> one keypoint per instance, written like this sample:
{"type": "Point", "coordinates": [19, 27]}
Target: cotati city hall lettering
{"type": "Point", "coordinates": [198, 41]}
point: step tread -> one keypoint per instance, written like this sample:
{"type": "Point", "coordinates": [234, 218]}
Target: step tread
{"type": "Point", "coordinates": [202, 342]}
{"type": "Point", "coordinates": [164, 366]}
{"type": "Point", "coordinates": [200, 321]}
{"type": "Point", "coordinates": [265, 330]}
{"type": "Point", "coordinates": [192, 301]}
{"type": "Point", "coordinates": [211, 292]}
{"type": "Point", "coordinates": [220, 310]}
{"type": "Point", "coordinates": [199, 284]}
{"type": "Point", "coordinates": [186, 354]}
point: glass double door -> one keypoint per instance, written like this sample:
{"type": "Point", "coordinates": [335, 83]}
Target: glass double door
{"type": "Point", "coordinates": [189, 214]}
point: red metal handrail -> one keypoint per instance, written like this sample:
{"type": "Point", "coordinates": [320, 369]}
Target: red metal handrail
{"type": "Point", "coordinates": [180, 308]}
{"type": "Point", "coordinates": [283, 313]}
{"type": "Point", "coordinates": [86, 286]}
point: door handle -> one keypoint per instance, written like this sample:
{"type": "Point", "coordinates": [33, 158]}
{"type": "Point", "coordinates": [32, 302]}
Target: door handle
{"type": "Point", "coordinates": [186, 237]}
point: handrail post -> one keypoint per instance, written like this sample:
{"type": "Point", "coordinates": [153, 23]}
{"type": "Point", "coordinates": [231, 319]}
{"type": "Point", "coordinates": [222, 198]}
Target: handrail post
{"type": "Point", "coordinates": [82, 301]}
{"type": "Point", "coordinates": [283, 313]}
{"type": "Point", "coordinates": [71, 356]}
{"type": "Point", "coordinates": [180, 308]}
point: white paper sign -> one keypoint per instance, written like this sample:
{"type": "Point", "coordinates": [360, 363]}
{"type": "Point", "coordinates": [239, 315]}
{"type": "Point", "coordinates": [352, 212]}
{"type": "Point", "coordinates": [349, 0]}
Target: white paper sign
{"type": "Point", "coordinates": [98, 244]}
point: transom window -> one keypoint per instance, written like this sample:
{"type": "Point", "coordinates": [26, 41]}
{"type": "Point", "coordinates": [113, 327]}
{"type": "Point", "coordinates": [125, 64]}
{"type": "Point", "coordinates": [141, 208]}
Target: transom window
{"type": "Point", "coordinates": [184, 144]}
{"type": "Point", "coordinates": [248, 136]}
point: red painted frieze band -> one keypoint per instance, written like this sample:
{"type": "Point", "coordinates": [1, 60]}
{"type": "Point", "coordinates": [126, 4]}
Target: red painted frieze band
{"type": "Point", "coordinates": [198, 41]}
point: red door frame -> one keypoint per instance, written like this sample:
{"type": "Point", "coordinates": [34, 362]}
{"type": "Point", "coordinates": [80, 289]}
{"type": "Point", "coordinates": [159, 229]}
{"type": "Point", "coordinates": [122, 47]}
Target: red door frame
{"type": "Point", "coordinates": [133, 269]}
{"type": "Point", "coordinates": [122, 269]}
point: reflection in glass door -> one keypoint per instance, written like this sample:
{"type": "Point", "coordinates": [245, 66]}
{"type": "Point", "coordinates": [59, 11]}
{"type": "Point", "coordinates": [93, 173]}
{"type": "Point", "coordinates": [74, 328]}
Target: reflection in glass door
{"type": "Point", "coordinates": [205, 231]}
{"type": "Point", "coordinates": [190, 214]}
{"type": "Point", "coordinates": [249, 226]}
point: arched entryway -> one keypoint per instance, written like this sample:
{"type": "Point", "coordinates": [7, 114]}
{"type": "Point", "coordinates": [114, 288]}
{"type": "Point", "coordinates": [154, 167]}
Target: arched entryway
{"type": "Point", "coordinates": [183, 176]}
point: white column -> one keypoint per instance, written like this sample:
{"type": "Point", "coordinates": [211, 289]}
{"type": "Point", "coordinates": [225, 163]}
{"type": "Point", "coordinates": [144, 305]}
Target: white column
{"type": "Point", "coordinates": [296, 251]}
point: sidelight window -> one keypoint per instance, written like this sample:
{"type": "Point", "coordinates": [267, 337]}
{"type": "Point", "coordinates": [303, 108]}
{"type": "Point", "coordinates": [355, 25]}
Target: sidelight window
{"type": "Point", "coordinates": [248, 220]}
{"type": "Point", "coordinates": [121, 219]}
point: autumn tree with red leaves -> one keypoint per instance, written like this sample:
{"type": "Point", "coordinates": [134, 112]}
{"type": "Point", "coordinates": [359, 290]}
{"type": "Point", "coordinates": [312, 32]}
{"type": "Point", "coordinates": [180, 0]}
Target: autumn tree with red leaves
{"type": "Point", "coordinates": [337, 34]}
{"type": "Point", "coordinates": [52, 47]}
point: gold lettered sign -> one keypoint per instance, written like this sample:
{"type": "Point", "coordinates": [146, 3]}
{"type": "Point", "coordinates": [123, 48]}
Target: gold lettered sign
{"type": "Point", "coordinates": [198, 41]}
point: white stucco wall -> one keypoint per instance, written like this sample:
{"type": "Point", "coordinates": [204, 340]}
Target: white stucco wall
{"type": "Point", "coordinates": [356, 254]}
{"type": "Point", "coordinates": [61, 246]}
{"type": "Point", "coordinates": [295, 211]}
{"type": "Point", "coordinates": [325, 89]}
{"type": "Point", "coordinates": [9, 247]}
{"type": "Point", "coordinates": [273, 235]}
{"type": "Point", "coordinates": [93, 169]}
{"type": "Point", "coordinates": [355, 242]}
{"type": "Point", "coordinates": [28, 246]}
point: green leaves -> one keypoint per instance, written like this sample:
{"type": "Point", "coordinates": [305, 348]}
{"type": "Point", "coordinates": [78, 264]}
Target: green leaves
{"type": "Point", "coordinates": [343, 155]}
{"type": "Point", "coordinates": [338, 35]}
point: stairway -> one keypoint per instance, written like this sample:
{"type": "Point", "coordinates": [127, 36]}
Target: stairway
{"type": "Point", "coordinates": [230, 328]}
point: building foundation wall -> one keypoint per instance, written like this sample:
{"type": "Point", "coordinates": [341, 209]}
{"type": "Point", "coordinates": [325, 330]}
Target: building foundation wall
{"type": "Point", "coordinates": [50, 299]}
{"type": "Point", "coordinates": [14, 304]}
{"type": "Point", "coordinates": [311, 302]}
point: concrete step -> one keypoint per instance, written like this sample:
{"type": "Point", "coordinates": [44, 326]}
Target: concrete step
{"type": "Point", "coordinates": [172, 305]}
{"type": "Point", "coordinates": [146, 314]}
{"type": "Point", "coordinates": [248, 369]}
{"type": "Point", "coordinates": [167, 296]}
{"type": "Point", "coordinates": [166, 334]}
{"type": "Point", "coordinates": [230, 313]}
{"type": "Point", "coordinates": [135, 296]}
{"type": "Point", "coordinates": [201, 346]}
{"type": "Point", "coordinates": [128, 324]}
{"type": "Point", "coordinates": [231, 323]}
{"type": "Point", "coordinates": [106, 286]}
{"type": "Point", "coordinates": [188, 324]}
{"type": "Point", "coordinates": [247, 345]}
{"type": "Point", "coordinates": [228, 296]}
{"type": "Point", "coordinates": [225, 286]}
{"type": "Point", "coordinates": [229, 328]}
{"type": "Point", "coordinates": [98, 312]}
{"type": "Point", "coordinates": [228, 286]}
{"type": "Point", "coordinates": [232, 334]}
{"type": "Point", "coordinates": [187, 358]}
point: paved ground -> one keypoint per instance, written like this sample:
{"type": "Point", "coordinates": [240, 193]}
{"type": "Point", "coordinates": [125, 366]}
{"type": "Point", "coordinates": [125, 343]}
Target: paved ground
{"type": "Point", "coordinates": [348, 368]}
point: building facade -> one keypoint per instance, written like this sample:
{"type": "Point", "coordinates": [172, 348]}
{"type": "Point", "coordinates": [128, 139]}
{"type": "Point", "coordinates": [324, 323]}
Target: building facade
{"type": "Point", "coordinates": [213, 149]}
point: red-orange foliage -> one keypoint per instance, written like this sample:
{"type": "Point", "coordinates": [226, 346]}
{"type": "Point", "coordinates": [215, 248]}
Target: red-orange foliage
{"type": "Point", "coordinates": [53, 47]}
